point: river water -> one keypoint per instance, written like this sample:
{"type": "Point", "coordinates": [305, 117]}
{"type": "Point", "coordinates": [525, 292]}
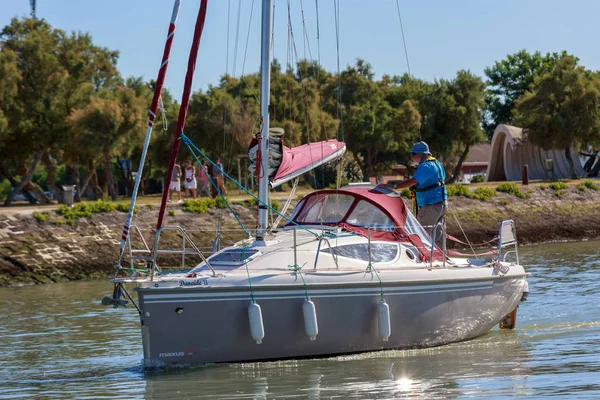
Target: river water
{"type": "Point", "coordinates": [57, 341]}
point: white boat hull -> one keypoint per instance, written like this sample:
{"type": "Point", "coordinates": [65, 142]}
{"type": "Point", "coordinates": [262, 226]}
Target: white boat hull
{"type": "Point", "coordinates": [208, 322]}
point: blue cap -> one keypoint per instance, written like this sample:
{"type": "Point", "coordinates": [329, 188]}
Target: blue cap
{"type": "Point", "coordinates": [420, 148]}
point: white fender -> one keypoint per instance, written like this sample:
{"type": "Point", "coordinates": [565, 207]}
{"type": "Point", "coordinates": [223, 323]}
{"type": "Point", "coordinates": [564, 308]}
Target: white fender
{"type": "Point", "coordinates": [257, 329]}
{"type": "Point", "coordinates": [310, 319]}
{"type": "Point", "coordinates": [383, 319]}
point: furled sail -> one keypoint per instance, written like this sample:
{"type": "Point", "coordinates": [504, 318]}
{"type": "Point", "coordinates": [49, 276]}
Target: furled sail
{"type": "Point", "coordinates": [286, 163]}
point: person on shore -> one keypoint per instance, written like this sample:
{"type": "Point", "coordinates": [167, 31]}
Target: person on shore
{"type": "Point", "coordinates": [190, 179]}
{"type": "Point", "coordinates": [428, 183]}
{"type": "Point", "coordinates": [218, 178]}
{"type": "Point", "coordinates": [175, 185]}
{"type": "Point", "coordinates": [203, 184]}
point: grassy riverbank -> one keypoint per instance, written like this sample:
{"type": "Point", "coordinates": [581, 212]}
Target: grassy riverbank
{"type": "Point", "coordinates": [52, 244]}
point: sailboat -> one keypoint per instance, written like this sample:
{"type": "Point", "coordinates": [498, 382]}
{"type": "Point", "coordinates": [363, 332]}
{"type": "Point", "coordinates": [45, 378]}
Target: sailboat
{"type": "Point", "coordinates": [350, 271]}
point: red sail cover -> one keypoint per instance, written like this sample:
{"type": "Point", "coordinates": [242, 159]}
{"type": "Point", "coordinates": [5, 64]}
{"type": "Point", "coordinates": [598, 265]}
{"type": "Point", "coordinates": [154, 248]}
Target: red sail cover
{"type": "Point", "coordinates": [297, 160]}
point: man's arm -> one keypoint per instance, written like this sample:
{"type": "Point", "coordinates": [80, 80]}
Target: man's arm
{"type": "Point", "coordinates": [406, 184]}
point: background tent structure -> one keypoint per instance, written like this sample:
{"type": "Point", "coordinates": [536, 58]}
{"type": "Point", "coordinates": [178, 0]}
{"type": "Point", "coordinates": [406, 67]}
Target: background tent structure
{"type": "Point", "coordinates": [510, 152]}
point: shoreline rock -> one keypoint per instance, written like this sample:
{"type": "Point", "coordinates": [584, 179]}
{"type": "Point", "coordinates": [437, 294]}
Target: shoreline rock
{"type": "Point", "coordinates": [34, 252]}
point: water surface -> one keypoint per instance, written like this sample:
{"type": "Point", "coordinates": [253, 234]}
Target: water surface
{"type": "Point", "coordinates": [57, 341]}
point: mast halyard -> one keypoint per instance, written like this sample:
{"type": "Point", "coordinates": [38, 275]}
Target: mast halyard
{"type": "Point", "coordinates": [265, 88]}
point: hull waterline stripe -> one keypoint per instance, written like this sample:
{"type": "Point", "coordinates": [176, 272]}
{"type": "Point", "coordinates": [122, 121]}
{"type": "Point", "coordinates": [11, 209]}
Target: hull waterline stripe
{"type": "Point", "coordinates": [487, 284]}
{"type": "Point", "coordinates": [246, 297]}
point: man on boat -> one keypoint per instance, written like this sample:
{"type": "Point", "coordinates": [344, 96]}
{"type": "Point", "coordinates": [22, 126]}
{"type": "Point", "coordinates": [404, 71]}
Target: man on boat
{"type": "Point", "coordinates": [190, 179]}
{"type": "Point", "coordinates": [175, 184]}
{"type": "Point", "coordinates": [428, 185]}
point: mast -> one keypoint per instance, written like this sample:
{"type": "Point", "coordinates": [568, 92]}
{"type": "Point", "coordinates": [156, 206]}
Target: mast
{"type": "Point", "coordinates": [162, 72]}
{"type": "Point", "coordinates": [185, 99]}
{"type": "Point", "coordinates": [265, 89]}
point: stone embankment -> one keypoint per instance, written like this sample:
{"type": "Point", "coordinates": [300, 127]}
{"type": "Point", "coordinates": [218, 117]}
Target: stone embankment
{"type": "Point", "coordinates": [45, 247]}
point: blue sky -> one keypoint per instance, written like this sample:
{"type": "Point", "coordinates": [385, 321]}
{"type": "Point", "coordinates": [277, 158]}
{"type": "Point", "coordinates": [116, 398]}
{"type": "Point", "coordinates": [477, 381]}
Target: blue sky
{"type": "Point", "coordinates": [442, 36]}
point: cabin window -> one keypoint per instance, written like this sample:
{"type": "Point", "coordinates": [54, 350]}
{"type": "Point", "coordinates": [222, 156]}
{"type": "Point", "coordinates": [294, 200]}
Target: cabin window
{"type": "Point", "coordinates": [235, 256]}
{"type": "Point", "coordinates": [380, 252]}
{"type": "Point", "coordinates": [327, 208]}
{"type": "Point", "coordinates": [367, 215]}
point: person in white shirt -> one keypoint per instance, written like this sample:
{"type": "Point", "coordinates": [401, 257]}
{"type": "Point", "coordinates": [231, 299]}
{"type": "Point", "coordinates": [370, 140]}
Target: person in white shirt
{"type": "Point", "coordinates": [190, 179]}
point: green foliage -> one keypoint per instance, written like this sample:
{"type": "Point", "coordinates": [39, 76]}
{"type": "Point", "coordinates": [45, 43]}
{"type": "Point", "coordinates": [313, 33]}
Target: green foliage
{"type": "Point", "coordinates": [251, 202]}
{"type": "Point", "coordinates": [452, 119]}
{"type": "Point", "coordinates": [172, 213]}
{"type": "Point", "coordinates": [46, 73]}
{"type": "Point", "coordinates": [508, 79]}
{"type": "Point", "coordinates": [41, 217]}
{"type": "Point", "coordinates": [200, 206]}
{"type": "Point", "coordinates": [556, 186]}
{"type": "Point", "coordinates": [508, 187]}
{"type": "Point", "coordinates": [484, 193]}
{"type": "Point", "coordinates": [512, 188]}
{"type": "Point", "coordinates": [5, 188]}
{"type": "Point", "coordinates": [477, 178]}
{"type": "Point", "coordinates": [559, 193]}
{"type": "Point", "coordinates": [591, 185]}
{"type": "Point", "coordinates": [405, 193]}
{"type": "Point", "coordinates": [543, 187]}
{"type": "Point", "coordinates": [275, 204]}
{"type": "Point", "coordinates": [582, 188]}
{"type": "Point", "coordinates": [504, 202]}
{"type": "Point", "coordinates": [459, 190]}
{"type": "Point", "coordinates": [85, 210]}
{"type": "Point", "coordinates": [561, 110]}
{"type": "Point", "coordinates": [219, 202]}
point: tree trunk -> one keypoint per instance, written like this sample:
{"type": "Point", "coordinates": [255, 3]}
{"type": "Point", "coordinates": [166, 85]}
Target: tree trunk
{"type": "Point", "coordinates": [14, 183]}
{"type": "Point", "coordinates": [50, 165]}
{"type": "Point", "coordinates": [26, 179]}
{"type": "Point", "coordinates": [109, 177]}
{"type": "Point", "coordinates": [461, 160]}
{"type": "Point", "coordinates": [93, 178]}
{"type": "Point", "coordinates": [76, 181]}
{"type": "Point", "coordinates": [571, 163]}
{"type": "Point", "coordinates": [360, 164]}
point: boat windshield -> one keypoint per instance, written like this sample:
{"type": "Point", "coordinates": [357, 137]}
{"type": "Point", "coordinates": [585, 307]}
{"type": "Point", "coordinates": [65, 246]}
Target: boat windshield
{"type": "Point", "coordinates": [325, 208]}
{"type": "Point", "coordinates": [367, 215]}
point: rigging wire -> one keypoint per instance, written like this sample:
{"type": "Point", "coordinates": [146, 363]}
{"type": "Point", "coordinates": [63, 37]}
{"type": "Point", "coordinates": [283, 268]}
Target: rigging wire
{"type": "Point", "coordinates": [237, 36]}
{"type": "Point", "coordinates": [403, 39]}
{"type": "Point", "coordinates": [336, 6]}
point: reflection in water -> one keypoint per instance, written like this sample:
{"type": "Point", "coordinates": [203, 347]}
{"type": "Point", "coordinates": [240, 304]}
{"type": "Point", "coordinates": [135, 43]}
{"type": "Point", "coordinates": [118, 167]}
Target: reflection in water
{"type": "Point", "coordinates": [57, 341]}
{"type": "Point", "coordinates": [425, 373]}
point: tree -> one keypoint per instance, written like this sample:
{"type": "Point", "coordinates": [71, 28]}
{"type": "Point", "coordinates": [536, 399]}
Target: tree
{"type": "Point", "coordinates": [110, 123]}
{"type": "Point", "coordinates": [508, 80]}
{"type": "Point", "coordinates": [452, 120]}
{"type": "Point", "coordinates": [374, 130]}
{"type": "Point", "coordinates": [54, 74]}
{"type": "Point", "coordinates": [562, 110]}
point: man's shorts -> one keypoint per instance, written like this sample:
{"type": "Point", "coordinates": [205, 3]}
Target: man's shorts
{"type": "Point", "coordinates": [175, 185]}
